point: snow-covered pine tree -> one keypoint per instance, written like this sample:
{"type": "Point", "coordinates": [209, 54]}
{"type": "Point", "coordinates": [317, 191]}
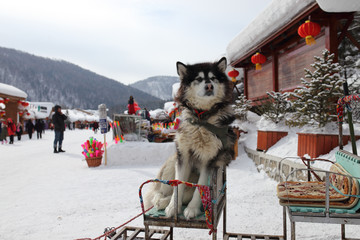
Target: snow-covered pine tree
{"type": "Point", "coordinates": [315, 102]}
{"type": "Point", "coordinates": [349, 57]}
{"type": "Point", "coordinates": [276, 107]}
{"type": "Point", "coordinates": [241, 107]}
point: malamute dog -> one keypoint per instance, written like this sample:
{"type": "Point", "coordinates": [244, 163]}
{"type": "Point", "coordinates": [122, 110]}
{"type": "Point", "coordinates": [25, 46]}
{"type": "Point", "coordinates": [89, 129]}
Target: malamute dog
{"type": "Point", "coordinates": [203, 139]}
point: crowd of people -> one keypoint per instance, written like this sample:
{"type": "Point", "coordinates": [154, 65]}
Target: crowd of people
{"type": "Point", "coordinates": [58, 124]}
{"type": "Point", "coordinates": [9, 129]}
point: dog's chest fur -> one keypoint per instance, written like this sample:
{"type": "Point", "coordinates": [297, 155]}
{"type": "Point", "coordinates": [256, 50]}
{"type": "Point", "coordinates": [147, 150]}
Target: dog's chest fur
{"type": "Point", "coordinates": [196, 143]}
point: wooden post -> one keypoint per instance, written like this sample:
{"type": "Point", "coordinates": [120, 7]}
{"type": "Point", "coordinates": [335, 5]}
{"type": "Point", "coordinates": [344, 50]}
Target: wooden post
{"type": "Point", "coordinates": [350, 122]}
{"type": "Point", "coordinates": [246, 92]}
{"type": "Point", "coordinates": [331, 36]}
{"type": "Point", "coordinates": [275, 71]}
{"type": "Point", "coordinates": [105, 155]}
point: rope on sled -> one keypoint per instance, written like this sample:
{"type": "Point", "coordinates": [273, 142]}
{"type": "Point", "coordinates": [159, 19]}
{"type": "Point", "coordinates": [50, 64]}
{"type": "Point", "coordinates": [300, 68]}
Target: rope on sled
{"type": "Point", "coordinates": [346, 100]}
{"type": "Point", "coordinates": [112, 230]}
{"type": "Point", "coordinates": [204, 194]}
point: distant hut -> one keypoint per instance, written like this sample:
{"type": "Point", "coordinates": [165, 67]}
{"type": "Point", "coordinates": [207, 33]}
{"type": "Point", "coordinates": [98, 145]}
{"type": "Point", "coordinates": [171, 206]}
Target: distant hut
{"type": "Point", "coordinates": [10, 98]}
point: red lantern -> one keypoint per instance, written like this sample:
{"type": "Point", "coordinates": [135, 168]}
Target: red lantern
{"type": "Point", "coordinates": [233, 74]}
{"type": "Point", "coordinates": [309, 30]}
{"type": "Point", "coordinates": [27, 114]}
{"type": "Point", "coordinates": [258, 59]}
{"type": "Point", "coordinates": [2, 113]}
{"type": "Point", "coordinates": [25, 104]}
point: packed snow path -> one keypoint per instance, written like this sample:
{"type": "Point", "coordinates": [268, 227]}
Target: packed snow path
{"type": "Point", "coordinates": [56, 196]}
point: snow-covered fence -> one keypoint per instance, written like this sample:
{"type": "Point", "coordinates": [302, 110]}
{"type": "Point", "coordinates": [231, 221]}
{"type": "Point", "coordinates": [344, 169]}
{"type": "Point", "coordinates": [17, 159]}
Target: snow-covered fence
{"type": "Point", "coordinates": [277, 168]}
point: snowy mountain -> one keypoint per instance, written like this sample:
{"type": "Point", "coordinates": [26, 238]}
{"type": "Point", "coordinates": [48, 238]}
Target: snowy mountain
{"type": "Point", "coordinates": [61, 82]}
{"type": "Point", "coordinates": [157, 86]}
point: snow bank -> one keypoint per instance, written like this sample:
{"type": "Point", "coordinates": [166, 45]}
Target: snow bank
{"type": "Point", "coordinates": [139, 153]}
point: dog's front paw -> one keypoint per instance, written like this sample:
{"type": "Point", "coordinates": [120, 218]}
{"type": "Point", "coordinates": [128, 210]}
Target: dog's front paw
{"type": "Point", "coordinates": [160, 201]}
{"type": "Point", "coordinates": [191, 212]}
{"type": "Point", "coordinates": [170, 210]}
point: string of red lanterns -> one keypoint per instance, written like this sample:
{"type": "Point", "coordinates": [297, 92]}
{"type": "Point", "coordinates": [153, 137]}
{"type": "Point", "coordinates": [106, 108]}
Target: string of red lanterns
{"type": "Point", "coordinates": [23, 103]}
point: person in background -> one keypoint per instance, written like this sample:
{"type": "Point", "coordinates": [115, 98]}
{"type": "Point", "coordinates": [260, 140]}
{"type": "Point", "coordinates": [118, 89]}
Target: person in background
{"type": "Point", "coordinates": [19, 130]}
{"type": "Point", "coordinates": [29, 128]}
{"type": "Point", "coordinates": [96, 127]}
{"type": "Point", "coordinates": [131, 106]}
{"type": "Point", "coordinates": [11, 128]}
{"type": "Point", "coordinates": [38, 128]}
{"type": "Point", "coordinates": [58, 120]}
{"type": "Point", "coordinates": [147, 115]}
{"type": "Point", "coordinates": [43, 126]}
{"type": "Point", "coordinates": [3, 131]}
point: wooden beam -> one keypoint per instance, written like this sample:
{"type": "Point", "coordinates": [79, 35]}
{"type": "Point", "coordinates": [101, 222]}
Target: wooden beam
{"type": "Point", "coordinates": [275, 71]}
{"type": "Point", "coordinates": [331, 37]}
{"type": "Point", "coordinates": [246, 83]}
{"type": "Point", "coordinates": [352, 39]}
{"type": "Point", "coordinates": [345, 29]}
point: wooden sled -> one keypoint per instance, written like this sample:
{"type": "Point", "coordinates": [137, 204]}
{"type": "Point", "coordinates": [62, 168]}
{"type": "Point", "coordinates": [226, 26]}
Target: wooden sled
{"type": "Point", "coordinates": [218, 196]}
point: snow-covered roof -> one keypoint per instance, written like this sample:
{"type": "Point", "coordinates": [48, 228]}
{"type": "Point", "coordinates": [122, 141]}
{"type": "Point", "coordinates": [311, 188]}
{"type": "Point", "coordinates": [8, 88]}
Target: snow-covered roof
{"type": "Point", "coordinates": [339, 6]}
{"type": "Point", "coordinates": [12, 91]}
{"type": "Point", "coordinates": [159, 114]}
{"type": "Point", "coordinates": [82, 115]}
{"type": "Point", "coordinates": [169, 106]}
{"type": "Point", "coordinates": [276, 16]}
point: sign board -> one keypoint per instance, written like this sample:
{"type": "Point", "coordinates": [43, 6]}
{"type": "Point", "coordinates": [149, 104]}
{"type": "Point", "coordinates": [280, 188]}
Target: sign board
{"type": "Point", "coordinates": [103, 125]}
{"type": "Point", "coordinates": [102, 118]}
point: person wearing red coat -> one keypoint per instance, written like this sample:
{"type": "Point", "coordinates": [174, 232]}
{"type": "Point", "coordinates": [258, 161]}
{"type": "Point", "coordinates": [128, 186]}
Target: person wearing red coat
{"type": "Point", "coordinates": [11, 128]}
{"type": "Point", "coordinates": [131, 106]}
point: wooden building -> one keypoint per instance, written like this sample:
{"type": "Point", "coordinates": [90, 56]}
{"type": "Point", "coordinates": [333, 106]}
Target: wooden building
{"type": "Point", "coordinates": [274, 33]}
{"type": "Point", "coordinates": [13, 95]}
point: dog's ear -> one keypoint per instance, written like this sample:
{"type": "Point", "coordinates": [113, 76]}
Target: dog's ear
{"type": "Point", "coordinates": [181, 69]}
{"type": "Point", "coordinates": [222, 64]}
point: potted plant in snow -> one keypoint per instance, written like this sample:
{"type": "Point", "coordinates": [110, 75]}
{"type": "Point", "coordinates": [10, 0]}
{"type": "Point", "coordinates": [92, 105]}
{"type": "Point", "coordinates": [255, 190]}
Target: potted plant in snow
{"type": "Point", "coordinates": [271, 127]}
{"type": "Point", "coordinates": [314, 106]}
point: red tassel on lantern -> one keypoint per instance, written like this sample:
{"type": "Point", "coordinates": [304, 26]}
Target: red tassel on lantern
{"type": "Point", "coordinates": [309, 30]}
{"type": "Point", "coordinates": [233, 74]}
{"type": "Point", "coordinates": [258, 59]}
{"type": "Point", "coordinates": [21, 114]}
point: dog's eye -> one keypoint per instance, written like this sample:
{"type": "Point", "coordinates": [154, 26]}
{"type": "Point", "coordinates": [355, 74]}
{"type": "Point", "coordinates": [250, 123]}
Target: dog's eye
{"type": "Point", "coordinates": [199, 79]}
{"type": "Point", "coordinates": [212, 78]}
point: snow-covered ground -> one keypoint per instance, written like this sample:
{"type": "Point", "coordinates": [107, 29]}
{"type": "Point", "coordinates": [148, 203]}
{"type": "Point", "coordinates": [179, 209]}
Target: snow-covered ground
{"type": "Point", "coordinates": [56, 196]}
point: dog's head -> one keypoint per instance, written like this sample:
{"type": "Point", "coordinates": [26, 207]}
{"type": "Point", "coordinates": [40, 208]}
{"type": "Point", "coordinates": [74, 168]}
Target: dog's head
{"type": "Point", "coordinates": [203, 85]}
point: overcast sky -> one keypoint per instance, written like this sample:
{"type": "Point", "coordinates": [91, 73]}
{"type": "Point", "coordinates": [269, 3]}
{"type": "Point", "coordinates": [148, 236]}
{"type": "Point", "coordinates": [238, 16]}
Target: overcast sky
{"type": "Point", "coordinates": [126, 40]}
